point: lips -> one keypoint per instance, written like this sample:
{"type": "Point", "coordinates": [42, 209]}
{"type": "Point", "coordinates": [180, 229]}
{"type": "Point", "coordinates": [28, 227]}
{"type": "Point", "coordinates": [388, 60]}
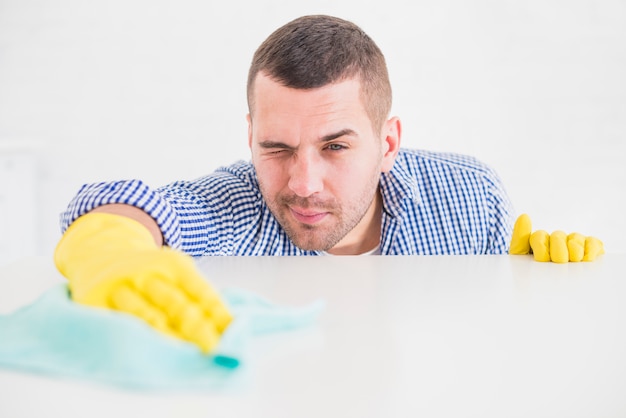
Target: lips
{"type": "Point", "coordinates": [307, 216]}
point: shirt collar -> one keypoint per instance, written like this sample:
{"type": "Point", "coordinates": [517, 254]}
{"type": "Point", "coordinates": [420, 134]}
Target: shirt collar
{"type": "Point", "coordinates": [396, 186]}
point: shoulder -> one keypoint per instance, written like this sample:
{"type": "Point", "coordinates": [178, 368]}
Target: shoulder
{"type": "Point", "coordinates": [235, 179]}
{"type": "Point", "coordinates": [240, 172]}
{"type": "Point", "coordinates": [243, 170]}
{"type": "Point", "coordinates": [433, 160]}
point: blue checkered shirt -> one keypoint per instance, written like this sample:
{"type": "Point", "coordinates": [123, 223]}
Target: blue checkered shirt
{"type": "Point", "coordinates": [434, 204]}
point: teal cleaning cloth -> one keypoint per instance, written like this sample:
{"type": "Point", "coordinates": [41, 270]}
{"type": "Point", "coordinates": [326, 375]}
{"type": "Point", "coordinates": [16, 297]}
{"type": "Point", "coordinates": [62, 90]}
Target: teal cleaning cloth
{"type": "Point", "coordinates": [55, 336]}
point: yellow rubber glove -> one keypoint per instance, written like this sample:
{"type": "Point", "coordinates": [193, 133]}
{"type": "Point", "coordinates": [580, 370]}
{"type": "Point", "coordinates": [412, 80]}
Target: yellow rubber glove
{"type": "Point", "coordinates": [540, 245]}
{"type": "Point", "coordinates": [557, 247]}
{"type": "Point", "coordinates": [576, 246]}
{"type": "Point", "coordinates": [112, 261]}
{"type": "Point", "coordinates": [520, 240]}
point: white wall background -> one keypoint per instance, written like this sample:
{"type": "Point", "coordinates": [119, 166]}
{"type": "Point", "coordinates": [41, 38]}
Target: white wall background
{"type": "Point", "coordinates": [154, 89]}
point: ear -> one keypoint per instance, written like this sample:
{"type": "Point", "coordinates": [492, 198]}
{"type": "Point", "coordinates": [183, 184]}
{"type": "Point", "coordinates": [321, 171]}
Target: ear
{"type": "Point", "coordinates": [249, 119]}
{"type": "Point", "coordinates": [391, 134]}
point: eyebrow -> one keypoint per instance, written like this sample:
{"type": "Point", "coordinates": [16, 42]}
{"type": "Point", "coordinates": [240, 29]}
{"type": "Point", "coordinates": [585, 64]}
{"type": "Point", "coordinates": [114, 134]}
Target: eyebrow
{"type": "Point", "coordinates": [339, 134]}
{"type": "Point", "coordinates": [269, 144]}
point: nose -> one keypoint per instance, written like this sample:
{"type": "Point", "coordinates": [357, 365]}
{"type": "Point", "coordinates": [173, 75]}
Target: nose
{"type": "Point", "coordinates": [306, 176]}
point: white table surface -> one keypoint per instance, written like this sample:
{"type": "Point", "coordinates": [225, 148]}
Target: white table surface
{"type": "Point", "coordinates": [486, 336]}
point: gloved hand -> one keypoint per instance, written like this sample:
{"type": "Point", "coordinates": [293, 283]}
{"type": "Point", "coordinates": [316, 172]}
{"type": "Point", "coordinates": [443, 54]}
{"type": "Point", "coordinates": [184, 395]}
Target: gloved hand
{"type": "Point", "coordinates": [112, 261]}
{"type": "Point", "coordinates": [557, 247]}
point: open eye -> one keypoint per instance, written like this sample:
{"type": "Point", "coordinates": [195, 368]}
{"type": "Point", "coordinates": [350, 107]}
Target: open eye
{"type": "Point", "coordinates": [335, 147]}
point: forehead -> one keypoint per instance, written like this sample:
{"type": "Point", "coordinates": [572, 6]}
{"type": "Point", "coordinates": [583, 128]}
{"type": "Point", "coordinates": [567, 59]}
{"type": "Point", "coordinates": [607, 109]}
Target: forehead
{"type": "Point", "coordinates": [271, 97]}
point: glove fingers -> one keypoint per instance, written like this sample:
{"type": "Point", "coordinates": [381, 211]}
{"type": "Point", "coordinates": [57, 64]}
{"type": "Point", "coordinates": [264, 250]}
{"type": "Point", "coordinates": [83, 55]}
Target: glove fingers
{"type": "Point", "coordinates": [593, 248]}
{"type": "Point", "coordinates": [575, 246]}
{"type": "Point", "coordinates": [200, 290]}
{"type": "Point", "coordinates": [125, 298]}
{"type": "Point", "coordinates": [205, 295]}
{"type": "Point", "coordinates": [540, 244]}
{"type": "Point", "coordinates": [520, 239]}
{"type": "Point", "coordinates": [558, 247]}
{"type": "Point", "coordinates": [186, 317]}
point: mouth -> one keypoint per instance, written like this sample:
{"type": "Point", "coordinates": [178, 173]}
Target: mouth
{"type": "Point", "coordinates": [307, 216]}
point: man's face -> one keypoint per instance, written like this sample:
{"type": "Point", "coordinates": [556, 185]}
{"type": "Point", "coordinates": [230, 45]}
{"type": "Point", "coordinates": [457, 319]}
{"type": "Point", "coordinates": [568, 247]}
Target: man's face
{"type": "Point", "coordinates": [318, 162]}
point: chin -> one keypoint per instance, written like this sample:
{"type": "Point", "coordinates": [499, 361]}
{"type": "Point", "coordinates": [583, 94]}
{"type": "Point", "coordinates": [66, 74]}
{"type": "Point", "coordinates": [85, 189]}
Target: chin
{"type": "Point", "coordinates": [312, 237]}
{"type": "Point", "coordinates": [309, 246]}
{"type": "Point", "coordinates": [305, 242]}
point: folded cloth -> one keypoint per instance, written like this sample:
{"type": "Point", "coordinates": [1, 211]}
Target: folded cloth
{"type": "Point", "coordinates": [55, 336]}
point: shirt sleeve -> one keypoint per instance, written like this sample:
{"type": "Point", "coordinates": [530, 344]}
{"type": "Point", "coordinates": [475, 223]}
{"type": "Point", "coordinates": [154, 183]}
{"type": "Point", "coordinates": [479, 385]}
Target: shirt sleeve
{"type": "Point", "coordinates": [130, 192]}
{"type": "Point", "coordinates": [200, 217]}
{"type": "Point", "coordinates": [501, 215]}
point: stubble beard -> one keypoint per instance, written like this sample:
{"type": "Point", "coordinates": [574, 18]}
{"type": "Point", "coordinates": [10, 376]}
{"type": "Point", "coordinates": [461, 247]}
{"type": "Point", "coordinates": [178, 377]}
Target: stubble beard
{"type": "Point", "coordinates": [325, 236]}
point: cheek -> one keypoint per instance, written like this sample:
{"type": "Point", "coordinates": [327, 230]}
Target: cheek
{"type": "Point", "coordinates": [270, 175]}
{"type": "Point", "coordinates": [347, 181]}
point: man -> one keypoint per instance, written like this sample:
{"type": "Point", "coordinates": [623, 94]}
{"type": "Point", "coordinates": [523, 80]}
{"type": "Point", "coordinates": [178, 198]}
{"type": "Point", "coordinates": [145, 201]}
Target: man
{"type": "Point", "coordinates": [327, 176]}
{"type": "Point", "coordinates": [319, 99]}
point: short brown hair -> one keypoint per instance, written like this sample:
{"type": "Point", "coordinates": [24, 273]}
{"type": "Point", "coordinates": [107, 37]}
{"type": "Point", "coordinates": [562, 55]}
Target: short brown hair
{"type": "Point", "coordinates": [317, 50]}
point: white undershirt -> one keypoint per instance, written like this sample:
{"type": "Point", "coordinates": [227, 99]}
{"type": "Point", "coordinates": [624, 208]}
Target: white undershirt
{"type": "Point", "coordinates": [373, 251]}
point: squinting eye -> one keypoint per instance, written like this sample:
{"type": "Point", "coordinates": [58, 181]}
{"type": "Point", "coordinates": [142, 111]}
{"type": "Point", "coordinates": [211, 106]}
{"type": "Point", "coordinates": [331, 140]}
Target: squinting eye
{"type": "Point", "coordinates": [275, 152]}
